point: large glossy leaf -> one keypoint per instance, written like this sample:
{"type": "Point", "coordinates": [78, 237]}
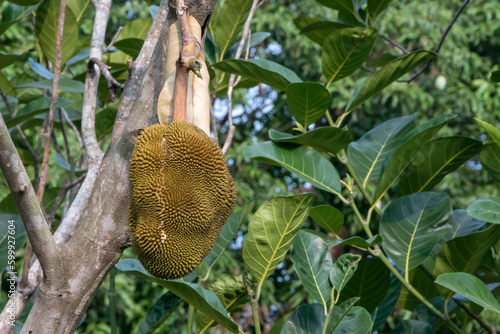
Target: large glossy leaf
{"type": "Point", "coordinates": [8, 59]}
{"type": "Point", "coordinates": [34, 108]}
{"type": "Point", "coordinates": [491, 130]}
{"type": "Point", "coordinates": [356, 321]}
{"type": "Point", "coordinates": [307, 101]}
{"type": "Point", "coordinates": [369, 152]}
{"type": "Point", "coordinates": [411, 225]}
{"type": "Point", "coordinates": [328, 217]}
{"type": "Point", "coordinates": [470, 287]}
{"type": "Point", "coordinates": [339, 312]}
{"type": "Point", "coordinates": [386, 306]}
{"type": "Point", "coordinates": [131, 46]}
{"type": "Point", "coordinates": [421, 282]}
{"type": "Point", "coordinates": [387, 75]}
{"type": "Point", "coordinates": [463, 224]}
{"type": "Point", "coordinates": [319, 31]}
{"type": "Point", "coordinates": [202, 299]}
{"type": "Point", "coordinates": [370, 282]}
{"type": "Point", "coordinates": [340, 5]}
{"type": "Point", "coordinates": [227, 25]}
{"type": "Point", "coordinates": [487, 209]}
{"type": "Point", "coordinates": [10, 235]}
{"type": "Point", "coordinates": [312, 261]}
{"type": "Point", "coordinates": [305, 319]}
{"type": "Point", "coordinates": [352, 241]}
{"type": "Point", "coordinates": [465, 254]}
{"type": "Point", "coordinates": [304, 162]}
{"type": "Point", "coordinates": [490, 160]}
{"type": "Point", "coordinates": [82, 9]}
{"type": "Point", "coordinates": [303, 21]}
{"type": "Point", "coordinates": [158, 313]}
{"type": "Point", "coordinates": [137, 28]}
{"type": "Point", "coordinates": [260, 70]}
{"type": "Point", "coordinates": [342, 270]}
{"type": "Point", "coordinates": [326, 139]}
{"type": "Point", "coordinates": [233, 294]}
{"type": "Point", "coordinates": [12, 14]}
{"type": "Point", "coordinates": [413, 327]}
{"type": "Point", "coordinates": [227, 233]}
{"type": "Point", "coordinates": [270, 234]}
{"type": "Point", "coordinates": [105, 121]}
{"type": "Point", "coordinates": [47, 16]}
{"type": "Point", "coordinates": [436, 160]}
{"type": "Point", "coordinates": [24, 2]}
{"type": "Point", "coordinates": [40, 70]}
{"type": "Point", "coordinates": [405, 152]}
{"type": "Point", "coordinates": [65, 85]}
{"type": "Point", "coordinates": [377, 7]}
{"type": "Point", "coordinates": [345, 50]}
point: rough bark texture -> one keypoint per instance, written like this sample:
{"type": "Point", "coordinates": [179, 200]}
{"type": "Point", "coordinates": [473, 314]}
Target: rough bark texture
{"type": "Point", "coordinates": [102, 231]}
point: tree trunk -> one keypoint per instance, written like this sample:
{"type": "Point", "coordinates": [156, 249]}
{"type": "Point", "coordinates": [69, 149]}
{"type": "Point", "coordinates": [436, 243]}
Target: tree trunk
{"type": "Point", "coordinates": [102, 232]}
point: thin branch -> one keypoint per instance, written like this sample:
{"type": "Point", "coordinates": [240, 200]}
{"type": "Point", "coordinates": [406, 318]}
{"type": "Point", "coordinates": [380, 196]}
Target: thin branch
{"type": "Point", "coordinates": [440, 44]}
{"type": "Point", "coordinates": [65, 137]}
{"type": "Point", "coordinates": [62, 194]}
{"type": "Point", "coordinates": [396, 44]}
{"type": "Point", "coordinates": [475, 317]}
{"type": "Point", "coordinates": [115, 37]}
{"type": "Point", "coordinates": [113, 85]}
{"type": "Point", "coordinates": [73, 127]}
{"type": "Point", "coordinates": [246, 33]}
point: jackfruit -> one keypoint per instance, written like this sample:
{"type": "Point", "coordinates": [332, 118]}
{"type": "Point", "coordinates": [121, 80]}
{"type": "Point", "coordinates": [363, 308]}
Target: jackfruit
{"type": "Point", "coordinates": [182, 193]}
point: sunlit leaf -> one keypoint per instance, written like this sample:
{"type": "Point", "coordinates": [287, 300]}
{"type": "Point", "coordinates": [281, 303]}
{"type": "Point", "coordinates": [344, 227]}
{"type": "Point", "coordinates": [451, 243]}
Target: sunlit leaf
{"type": "Point", "coordinates": [470, 287]}
{"type": "Point", "coordinates": [437, 159]}
{"type": "Point", "coordinates": [65, 85]}
{"type": "Point", "coordinates": [487, 209]}
{"type": "Point", "coordinates": [319, 31]}
{"type": "Point", "coordinates": [260, 70]}
{"type": "Point", "coordinates": [411, 225]}
{"type": "Point", "coordinates": [387, 75]}
{"type": "Point", "coordinates": [203, 300]}
{"type": "Point", "coordinates": [376, 7]}
{"type": "Point", "coordinates": [356, 321]}
{"type": "Point", "coordinates": [271, 232]}
{"type": "Point", "coordinates": [404, 153]}
{"type": "Point", "coordinates": [328, 217]}
{"type": "Point", "coordinates": [82, 9]}
{"type": "Point", "coordinates": [304, 162]}
{"type": "Point", "coordinates": [342, 270]}
{"type": "Point", "coordinates": [368, 153]}
{"type": "Point", "coordinates": [307, 101]}
{"type": "Point", "coordinates": [312, 261]}
{"type": "Point", "coordinates": [463, 224]}
{"type": "Point", "coordinates": [325, 139]}
{"type": "Point", "coordinates": [345, 50]}
{"type": "Point", "coordinates": [137, 28]}
{"type": "Point", "coordinates": [490, 129]}
{"type": "Point", "coordinates": [158, 313]}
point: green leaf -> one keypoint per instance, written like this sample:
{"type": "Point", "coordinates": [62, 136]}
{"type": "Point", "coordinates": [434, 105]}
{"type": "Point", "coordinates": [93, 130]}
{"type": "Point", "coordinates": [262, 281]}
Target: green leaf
{"type": "Point", "coordinates": [413, 327]}
{"type": "Point", "coordinates": [260, 70]}
{"type": "Point", "coordinates": [340, 5]}
{"type": "Point", "coordinates": [339, 312]}
{"type": "Point", "coordinates": [233, 294]}
{"type": "Point", "coordinates": [10, 235]}
{"type": "Point", "coordinates": [158, 313]}
{"type": "Point", "coordinates": [421, 282]}
{"type": "Point", "coordinates": [376, 7]}
{"type": "Point", "coordinates": [490, 129]}
{"type": "Point", "coordinates": [437, 159]}
{"type": "Point", "coordinates": [344, 51]}
{"type": "Point", "coordinates": [228, 23]}
{"type": "Point", "coordinates": [40, 70]}
{"type": "Point", "coordinates": [368, 153]}
{"type": "Point", "coordinates": [82, 9]}
{"type": "Point", "coordinates": [6, 86]}
{"type": "Point", "coordinates": [304, 162]}
{"type": "Point", "coordinates": [463, 224]}
{"type": "Point", "coordinates": [303, 21]}
{"type": "Point", "coordinates": [356, 321]}
{"type": "Point", "coordinates": [404, 153]}
{"type": "Point", "coordinates": [25, 2]}
{"type": "Point", "coordinates": [64, 164]}
{"type": "Point", "coordinates": [487, 209]}
{"type": "Point", "coordinates": [307, 101]}
{"type": "Point", "coordinates": [65, 85]}
{"type": "Point", "coordinates": [312, 261]}
{"type": "Point", "coordinates": [386, 306]}
{"type": "Point", "coordinates": [305, 319]}
{"type": "Point", "coordinates": [319, 31]}
{"type": "Point", "coordinates": [326, 139]}
{"type": "Point", "coordinates": [255, 39]}
{"type": "Point", "coordinates": [328, 217]}
{"type": "Point", "coordinates": [411, 226]}
{"type": "Point", "coordinates": [131, 46]}
{"type": "Point", "coordinates": [370, 282]}
{"type": "Point", "coordinates": [228, 232]}
{"type": "Point", "coordinates": [137, 28]}
{"type": "Point", "coordinates": [342, 270]}
{"type": "Point", "coordinates": [495, 76]}
{"type": "Point", "coordinates": [387, 75]}
{"type": "Point", "coordinates": [202, 299]}
{"type": "Point", "coordinates": [490, 160]}
{"type": "Point", "coordinates": [465, 254]}
{"type": "Point", "coordinates": [8, 59]}
{"type": "Point", "coordinates": [36, 107]}
{"type": "Point", "coordinates": [381, 60]}
{"type": "Point", "coordinates": [47, 16]}
{"type": "Point", "coordinates": [270, 234]}
{"type": "Point", "coordinates": [104, 122]}
{"type": "Point", "coordinates": [12, 14]}
{"type": "Point", "coordinates": [470, 287]}
{"type": "Point", "coordinates": [352, 241]}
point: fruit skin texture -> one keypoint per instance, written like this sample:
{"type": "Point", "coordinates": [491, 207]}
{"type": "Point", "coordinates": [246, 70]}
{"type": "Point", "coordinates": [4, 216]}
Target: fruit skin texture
{"type": "Point", "coordinates": [182, 194]}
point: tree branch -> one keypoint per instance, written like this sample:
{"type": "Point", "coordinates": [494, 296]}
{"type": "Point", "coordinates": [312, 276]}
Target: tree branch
{"type": "Point", "coordinates": [440, 44]}
{"type": "Point", "coordinates": [113, 85]}
{"type": "Point", "coordinates": [396, 44]}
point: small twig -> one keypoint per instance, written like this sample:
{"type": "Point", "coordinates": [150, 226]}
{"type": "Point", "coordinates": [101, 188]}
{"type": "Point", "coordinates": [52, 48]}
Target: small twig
{"type": "Point", "coordinates": [441, 41]}
{"type": "Point", "coordinates": [113, 85]}
{"type": "Point", "coordinates": [253, 303]}
{"type": "Point", "coordinates": [73, 127]}
{"type": "Point", "coordinates": [65, 137]}
{"type": "Point", "coordinates": [396, 44]}
{"type": "Point", "coordinates": [475, 317]}
{"type": "Point", "coordinates": [62, 194]}
{"type": "Point", "coordinates": [115, 37]}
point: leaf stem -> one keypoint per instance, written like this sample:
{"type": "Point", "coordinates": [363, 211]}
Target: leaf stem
{"type": "Point", "coordinates": [329, 118]}
{"type": "Point", "coordinates": [253, 303]}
